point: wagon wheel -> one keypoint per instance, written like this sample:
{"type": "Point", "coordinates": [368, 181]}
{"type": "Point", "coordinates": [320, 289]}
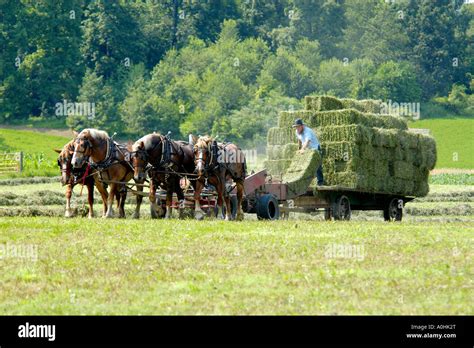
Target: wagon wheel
{"type": "Point", "coordinates": [394, 210]}
{"type": "Point", "coordinates": [267, 207]}
{"type": "Point", "coordinates": [342, 209]}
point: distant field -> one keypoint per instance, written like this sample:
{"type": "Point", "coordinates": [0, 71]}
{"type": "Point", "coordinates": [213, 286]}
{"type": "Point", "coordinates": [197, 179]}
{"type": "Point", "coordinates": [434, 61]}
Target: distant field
{"type": "Point", "coordinates": [40, 159]}
{"type": "Point", "coordinates": [453, 136]}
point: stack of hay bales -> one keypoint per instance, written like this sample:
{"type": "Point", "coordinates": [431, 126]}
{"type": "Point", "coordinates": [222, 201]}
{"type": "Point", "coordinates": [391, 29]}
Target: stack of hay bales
{"type": "Point", "coordinates": [362, 149]}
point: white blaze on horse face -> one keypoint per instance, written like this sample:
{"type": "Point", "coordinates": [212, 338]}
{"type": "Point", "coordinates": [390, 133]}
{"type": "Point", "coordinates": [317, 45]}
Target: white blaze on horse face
{"type": "Point", "coordinates": [64, 167]}
{"type": "Point", "coordinates": [200, 164]}
{"type": "Point", "coordinates": [77, 160]}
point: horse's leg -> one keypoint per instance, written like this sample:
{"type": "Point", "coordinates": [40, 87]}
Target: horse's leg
{"type": "Point", "coordinates": [198, 212]}
{"type": "Point", "coordinates": [152, 197]}
{"type": "Point", "coordinates": [228, 210]}
{"type": "Point", "coordinates": [90, 198]}
{"type": "Point", "coordinates": [240, 195]}
{"type": "Point", "coordinates": [103, 194]}
{"type": "Point", "coordinates": [136, 215]}
{"type": "Point", "coordinates": [169, 198]}
{"type": "Point", "coordinates": [68, 212]}
{"type": "Point", "coordinates": [123, 198]}
{"type": "Point", "coordinates": [180, 195]}
{"type": "Point", "coordinates": [220, 195]}
{"type": "Point", "coordinates": [110, 201]}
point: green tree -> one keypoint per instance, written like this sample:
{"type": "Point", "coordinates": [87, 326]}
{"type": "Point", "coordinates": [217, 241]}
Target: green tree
{"type": "Point", "coordinates": [375, 30]}
{"type": "Point", "coordinates": [395, 81]}
{"type": "Point", "coordinates": [437, 38]}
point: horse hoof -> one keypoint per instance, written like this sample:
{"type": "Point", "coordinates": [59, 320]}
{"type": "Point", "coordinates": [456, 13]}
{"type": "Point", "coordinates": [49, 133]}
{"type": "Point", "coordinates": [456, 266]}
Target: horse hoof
{"type": "Point", "coordinates": [136, 216]}
{"type": "Point", "coordinates": [198, 215]}
{"type": "Point", "coordinates": [239, 217]}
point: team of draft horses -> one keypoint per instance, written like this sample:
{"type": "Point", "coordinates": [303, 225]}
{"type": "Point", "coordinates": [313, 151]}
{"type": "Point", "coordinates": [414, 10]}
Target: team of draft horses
{"type": "Point", "coordinates": [93, 158]}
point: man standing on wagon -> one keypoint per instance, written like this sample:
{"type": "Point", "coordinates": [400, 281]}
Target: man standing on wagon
{"type": "Point", "coordinates": [307, 139]}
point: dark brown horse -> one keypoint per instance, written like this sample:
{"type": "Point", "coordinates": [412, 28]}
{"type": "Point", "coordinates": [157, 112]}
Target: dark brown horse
{"type": "Point", "coordinates": [166, 162]}
{"type": "Point", "coordinates": [218, 162]}
{"type": "Point", "coordinates": [70, 177]}
{"type": "Point", "coordinates": [110, 161]}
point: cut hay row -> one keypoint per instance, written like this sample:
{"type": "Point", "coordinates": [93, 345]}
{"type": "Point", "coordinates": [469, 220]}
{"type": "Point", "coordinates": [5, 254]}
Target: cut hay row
{"type": "Point", "coordinates": [361, 150]}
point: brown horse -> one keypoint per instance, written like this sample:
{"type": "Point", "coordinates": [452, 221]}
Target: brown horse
{"type": "Point", "coordinates": [110, 162]}
{"type": "Point", "coordinates": [166, 160]}
{"type": "Point", "coordinates": [70, 177]}
{"type": "Point", "coordinates": [218, 162]}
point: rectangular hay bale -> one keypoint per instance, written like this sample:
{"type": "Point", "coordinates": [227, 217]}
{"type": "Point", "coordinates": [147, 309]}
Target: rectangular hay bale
{"type": "Point", "coordinates": [301, 172]}
{"type": "Point", "coordinates": [280, 136]}
{"type": "Point", "coordinates": [322, 103]}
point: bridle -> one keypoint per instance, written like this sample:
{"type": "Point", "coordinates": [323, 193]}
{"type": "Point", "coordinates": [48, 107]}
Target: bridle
{"type": "Point", "coordinates": [199, 159]}
{"type": "Point", "coordinates": [142, 155]}
{"type": "Point", "coordinates": [86, 144]}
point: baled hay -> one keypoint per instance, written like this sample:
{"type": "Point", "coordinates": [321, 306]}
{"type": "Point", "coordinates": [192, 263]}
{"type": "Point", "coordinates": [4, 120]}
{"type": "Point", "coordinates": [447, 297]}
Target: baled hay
{"type": "Point", "coordinates": [277, 167]}
{"type": "Point", "coordinates": [276, 152]}
{"type": "Point", "coordinates": [280, 136]}
{"type": "Point", "coordinates": [322, 103]}
{"type": "Point", "coordinates": [301, 172]}
{"type": "Point", "coordinates": [367, 105]}
{"type": "Point", "coordinates": [341, 117]}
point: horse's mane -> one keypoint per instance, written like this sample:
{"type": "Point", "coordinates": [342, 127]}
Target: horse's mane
{"type": "Point", "coordinates": [147, 139]}
{"type": "Point", "coordinates": [66, 148]}
{"type": "Point", "coordinates": [203, 141]}
{"type": "Point", "coordinates": [95, 133]}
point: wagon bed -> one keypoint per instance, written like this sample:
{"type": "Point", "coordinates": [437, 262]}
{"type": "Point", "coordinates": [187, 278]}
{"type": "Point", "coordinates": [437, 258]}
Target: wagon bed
{"type": "Point", "coordinates": [270, 200]}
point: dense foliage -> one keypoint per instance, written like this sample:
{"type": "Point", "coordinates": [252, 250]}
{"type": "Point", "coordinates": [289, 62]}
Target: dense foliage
{"type": "Point", "coordinates": [226, 66]}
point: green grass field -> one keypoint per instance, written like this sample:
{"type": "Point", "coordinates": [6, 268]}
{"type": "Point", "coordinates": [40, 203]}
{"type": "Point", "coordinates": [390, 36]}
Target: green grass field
{"type": "Point", "coordinates": [40, 159]}
{"type": "Point", "coordinates": [454, 141]}
{"type": "Point", "coordinates": [420, 266]}
{"type": "Point", "coordinates": [253, 267]}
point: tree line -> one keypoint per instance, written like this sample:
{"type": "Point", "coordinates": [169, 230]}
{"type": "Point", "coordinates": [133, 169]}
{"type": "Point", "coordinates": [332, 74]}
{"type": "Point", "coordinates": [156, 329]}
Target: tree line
{"type": "Point", "coordinates": [227, 66]}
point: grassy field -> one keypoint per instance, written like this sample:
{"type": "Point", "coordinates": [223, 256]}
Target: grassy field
{"type": "Point", "coordinates": [454, 141]}
{"type": "Point", "coordinates": [303, 265]}
{"type": "Point", "coordinates": [253, 267]}
{"type": "Point", "coordinates": [40, 159]}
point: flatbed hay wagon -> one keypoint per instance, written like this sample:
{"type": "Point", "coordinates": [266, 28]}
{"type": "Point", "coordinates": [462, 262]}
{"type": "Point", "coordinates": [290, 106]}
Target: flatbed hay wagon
{"type": "Point", "coordinates": [271, 200]}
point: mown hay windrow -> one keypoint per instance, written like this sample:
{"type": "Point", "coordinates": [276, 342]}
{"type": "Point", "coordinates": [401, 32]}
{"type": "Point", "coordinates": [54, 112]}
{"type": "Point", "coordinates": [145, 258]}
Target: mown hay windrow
{"type": "Point", "coordinates": [301, 172]}
{"type": "Point", "coordinates": [362, 149]}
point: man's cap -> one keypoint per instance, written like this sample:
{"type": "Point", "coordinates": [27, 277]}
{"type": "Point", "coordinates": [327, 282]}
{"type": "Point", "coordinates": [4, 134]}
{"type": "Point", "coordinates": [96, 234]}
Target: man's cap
{"type": "Point", "coordinates": [298, 122]}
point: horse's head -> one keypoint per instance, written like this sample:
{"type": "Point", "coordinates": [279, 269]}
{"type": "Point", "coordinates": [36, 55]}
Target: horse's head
{"type": "Point", "coordinates": [64, 162]}
{"type": "Point", "coordinates": [82, 149]}
{"type": "Point", "coordinates": [139, 159]}
{"type": "Point", "coordinates": [201, 154]}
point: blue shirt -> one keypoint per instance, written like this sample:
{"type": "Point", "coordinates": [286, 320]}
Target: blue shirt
{"type": "Point", "coordinates": [308, 133]}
